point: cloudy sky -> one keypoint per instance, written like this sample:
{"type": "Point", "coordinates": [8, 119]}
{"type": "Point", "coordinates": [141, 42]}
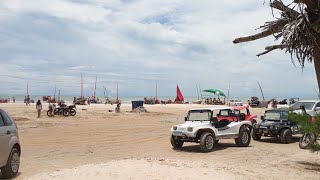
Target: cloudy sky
{"type": "Point", "coordinates": [139, 43]}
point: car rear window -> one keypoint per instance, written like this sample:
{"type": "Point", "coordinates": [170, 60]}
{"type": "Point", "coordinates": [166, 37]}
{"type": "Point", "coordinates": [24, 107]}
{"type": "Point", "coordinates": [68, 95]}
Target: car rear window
{"type": "Point", "coordinates": [6, 118]}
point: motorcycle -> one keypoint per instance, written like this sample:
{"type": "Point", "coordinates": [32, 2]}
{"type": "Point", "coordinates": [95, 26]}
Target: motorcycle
{"type": "Point", "coordinates": [58, 111]}
{"type": "Point", "coordinates": [307, 139]}
{"type": "Point", "coordinates": [71, 110]}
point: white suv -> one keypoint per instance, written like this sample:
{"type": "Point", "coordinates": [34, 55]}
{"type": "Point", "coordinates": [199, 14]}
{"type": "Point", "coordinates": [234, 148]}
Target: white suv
{"type": "Point", "coordinates": [312, 107]}
{"type": "Point", "coordinates": [10, 150]}
{"type": "Point", "coordinates": [206, 126]}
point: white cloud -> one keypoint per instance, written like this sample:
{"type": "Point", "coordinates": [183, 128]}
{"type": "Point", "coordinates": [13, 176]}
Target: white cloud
{"type": "Point", "coordinates": [139, 42]}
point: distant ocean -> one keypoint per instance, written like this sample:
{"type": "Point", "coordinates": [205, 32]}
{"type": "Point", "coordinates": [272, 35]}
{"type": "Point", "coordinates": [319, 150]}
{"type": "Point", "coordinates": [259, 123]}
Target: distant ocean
{"type": "Point", "coordinates": [128, 99]}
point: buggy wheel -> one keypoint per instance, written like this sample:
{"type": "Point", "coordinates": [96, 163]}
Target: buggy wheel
{"type": "Point", "coordinates": [73, 112]}
{"type": "Point", "coordinates": [244, 138]}
{"type": "Point", "coordinates": [306, 140]}
{"type": "Point", "coordinates": [255, 135]}
{"type": "Point", "coordinates": [207, 142]}
{"type": "Point", "coordinates": [176, 143]}
{"type": "Point", "coordinates": [286, 136]}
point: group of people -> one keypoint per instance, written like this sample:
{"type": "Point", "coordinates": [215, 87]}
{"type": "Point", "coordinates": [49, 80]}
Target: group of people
{"type": "Point", "coordinates": [215, 101]}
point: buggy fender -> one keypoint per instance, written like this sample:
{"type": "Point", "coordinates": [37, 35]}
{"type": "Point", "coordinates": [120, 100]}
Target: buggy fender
{"type": "Point", "coordinates": [201, 131]}
{"type": "Point", "coordinates": [249, 126]}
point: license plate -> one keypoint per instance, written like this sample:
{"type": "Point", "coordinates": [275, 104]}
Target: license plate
{"type": "Point", "coordinates": [177, 133]}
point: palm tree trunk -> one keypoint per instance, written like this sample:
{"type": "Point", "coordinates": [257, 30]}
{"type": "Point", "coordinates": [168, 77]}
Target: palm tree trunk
{"type": "Point", "coordinates": [317, 65]}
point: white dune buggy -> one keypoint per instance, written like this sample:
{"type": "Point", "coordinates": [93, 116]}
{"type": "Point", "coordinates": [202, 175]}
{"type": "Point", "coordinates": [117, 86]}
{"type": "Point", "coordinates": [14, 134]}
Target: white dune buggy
{"type": "Point", "coordinates": [208, 125]}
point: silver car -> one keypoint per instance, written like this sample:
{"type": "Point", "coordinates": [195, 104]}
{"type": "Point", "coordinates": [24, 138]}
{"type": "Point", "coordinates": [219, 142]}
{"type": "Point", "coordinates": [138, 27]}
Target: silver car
{"type": "Point", "coordinates": [10, 150]}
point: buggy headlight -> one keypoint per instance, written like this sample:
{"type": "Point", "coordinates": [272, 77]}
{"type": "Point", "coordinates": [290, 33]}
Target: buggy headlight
{"type": "Point", "coordinates": [190, 129]}
{"type": "Point", "coordinates": [174, 127]}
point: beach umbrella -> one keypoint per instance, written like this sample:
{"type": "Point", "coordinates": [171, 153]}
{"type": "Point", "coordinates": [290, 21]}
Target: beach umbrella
{"type": "Point", "coordinates": [215, 91]}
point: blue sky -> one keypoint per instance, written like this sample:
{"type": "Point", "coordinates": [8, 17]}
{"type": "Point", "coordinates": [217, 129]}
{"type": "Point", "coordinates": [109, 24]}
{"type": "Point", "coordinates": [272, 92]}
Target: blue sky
{"type": "Point", "coordinates": [139, 43]}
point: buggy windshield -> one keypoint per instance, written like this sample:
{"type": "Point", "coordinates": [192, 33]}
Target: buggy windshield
{"type": "Point", "coordinates": [307, 105]}
{"type": "Point", "coordinates": [276, 115]}
{"type": "Point", "coordinates": [199, 115]}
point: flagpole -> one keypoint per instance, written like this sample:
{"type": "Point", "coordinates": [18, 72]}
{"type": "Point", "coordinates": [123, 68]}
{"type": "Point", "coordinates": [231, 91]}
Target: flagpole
{"type": "Point", "coordinates": [117, 92]}
{"type": "Point", "coordinates": [81, 86]}
{"type": "Point", "coordinates": [156, 91]}
{"type": "Point", "coordinates": [95, 88]}
{"type": "Point", "coordinates": [54, 96]}
{"type": "Point", "coordinates": [27, 88]}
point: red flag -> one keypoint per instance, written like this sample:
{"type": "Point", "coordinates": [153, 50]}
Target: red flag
{"type": "Point", "coordinates": [179, 95]}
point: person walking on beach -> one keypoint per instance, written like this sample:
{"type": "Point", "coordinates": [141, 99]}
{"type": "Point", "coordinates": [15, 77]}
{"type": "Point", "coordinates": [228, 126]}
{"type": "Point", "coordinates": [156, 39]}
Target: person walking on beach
{"type": "Point", "coordinates": [39, 108]}
{"type": "Point", "coordinates": [14, 99]}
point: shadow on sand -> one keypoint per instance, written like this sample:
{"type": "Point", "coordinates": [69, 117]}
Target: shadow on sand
{"type": "Point", "coordinates": [310, 166]}
{"type": "Point", "coordinates": [277, 140]}
{"type": "Point", "coordinates": [196, 148]}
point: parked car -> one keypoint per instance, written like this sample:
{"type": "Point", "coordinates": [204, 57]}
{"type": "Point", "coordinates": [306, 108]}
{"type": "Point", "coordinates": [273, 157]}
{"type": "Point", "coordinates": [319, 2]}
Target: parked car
{"type": "Point", "coordinates": [275, 123]}
{"type": "Point", "coordinates": [10, 149]}
{"type": "Point", "coordinates": [312, 107]}
{"type": "Point", "coordinates": [256, 103]}
{"type": "Point", "coordinates": [235, 102]}
{"type": "Point", "coordinates": [236, 113]}
{"type": "Point", "coordinates": [202, 126]}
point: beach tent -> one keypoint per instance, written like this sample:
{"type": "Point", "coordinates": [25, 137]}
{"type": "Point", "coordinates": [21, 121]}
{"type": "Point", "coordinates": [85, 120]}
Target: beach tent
{"type": "Point", "coordinates": [215, 91]}
{"type": "Point", "coordinates": [179, 95]}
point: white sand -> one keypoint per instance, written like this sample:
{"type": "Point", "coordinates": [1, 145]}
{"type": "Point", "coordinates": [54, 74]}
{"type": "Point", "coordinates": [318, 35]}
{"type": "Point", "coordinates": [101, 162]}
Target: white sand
{"type": "Point", "coordinates": [138, 169]}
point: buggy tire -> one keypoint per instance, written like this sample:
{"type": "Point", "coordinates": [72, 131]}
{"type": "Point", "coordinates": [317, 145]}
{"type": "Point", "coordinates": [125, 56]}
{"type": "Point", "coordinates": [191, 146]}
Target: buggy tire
{"type": "Point", "coordinates": [72, 112]}
{"type": "Point", "coordinates": [306, 140]}
{"type": "Point", "coordinates": [244, 137]}
{"type": "Point", "coordinates": [286, 136]}
{"type": "Point", "coordinates": [176, 144]}
{"type": "Point", "coordinates": [207, 141]}
{"type": "Point", "coordinates": [11, 169]}
{"type": "Point", "coordinates": [256, 136]}
{"type": "Point", "coordinates": [48, 113]}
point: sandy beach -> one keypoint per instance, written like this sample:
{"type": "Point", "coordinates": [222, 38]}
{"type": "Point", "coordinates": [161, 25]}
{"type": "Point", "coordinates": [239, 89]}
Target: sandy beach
{"type": "Point", "coordinates": [97, 144]}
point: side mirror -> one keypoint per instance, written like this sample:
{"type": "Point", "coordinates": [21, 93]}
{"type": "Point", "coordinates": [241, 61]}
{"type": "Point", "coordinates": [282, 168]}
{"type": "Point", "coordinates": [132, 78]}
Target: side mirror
{"type": "Point", "coordinates": [185, 118]}
{"type": "Point", "coordinates": [262, 118]}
